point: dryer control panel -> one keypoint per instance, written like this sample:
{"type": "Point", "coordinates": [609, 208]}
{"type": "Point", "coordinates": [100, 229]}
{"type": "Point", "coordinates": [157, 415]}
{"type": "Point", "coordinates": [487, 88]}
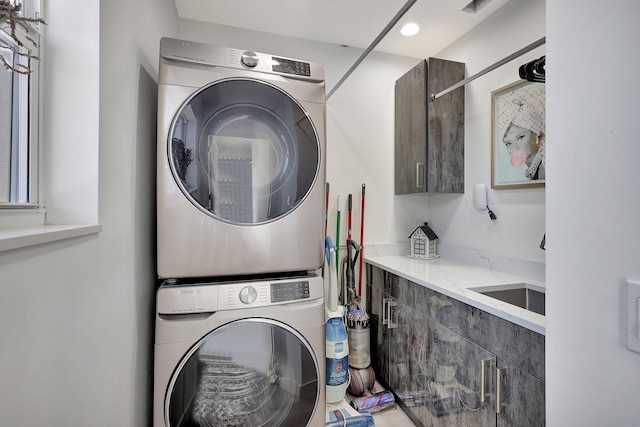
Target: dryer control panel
{"type": "Point", "coordinates": [211, 297]}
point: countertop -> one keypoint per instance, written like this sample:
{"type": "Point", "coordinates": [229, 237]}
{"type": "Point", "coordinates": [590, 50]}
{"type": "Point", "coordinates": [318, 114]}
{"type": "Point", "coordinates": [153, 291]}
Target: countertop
{"type": "Point", "coordinates": [454, 278]}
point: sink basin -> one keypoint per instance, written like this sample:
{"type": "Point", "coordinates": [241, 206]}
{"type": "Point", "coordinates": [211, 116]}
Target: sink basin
{"type": "Point", "coordinates": [524, 295]}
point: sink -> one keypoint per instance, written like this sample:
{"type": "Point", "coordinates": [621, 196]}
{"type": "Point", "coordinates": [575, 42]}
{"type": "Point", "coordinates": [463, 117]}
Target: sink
{"type": "Point", "coordinates": [524, 295]}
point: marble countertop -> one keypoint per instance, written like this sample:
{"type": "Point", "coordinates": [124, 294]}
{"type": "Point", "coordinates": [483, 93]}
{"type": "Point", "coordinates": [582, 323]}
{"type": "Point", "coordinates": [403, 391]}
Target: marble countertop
{"type": "Point", "coordinates": [454, 278]}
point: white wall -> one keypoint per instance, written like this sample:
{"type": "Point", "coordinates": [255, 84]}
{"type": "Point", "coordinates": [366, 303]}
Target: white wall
{"type": "Point", "coordinates": [521, 212]}
{"type": "Point", "coordinates": [130, 40]}
{"type": "Point", "coordinates": [593, 239]}
{"type": "Point", "coordinates": [70, 113]}
{"type": "Point", "coordinates": [76, 316]}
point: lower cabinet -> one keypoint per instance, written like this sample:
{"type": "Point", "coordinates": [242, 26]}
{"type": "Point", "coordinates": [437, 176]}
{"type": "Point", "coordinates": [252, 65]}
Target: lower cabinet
{"type": "Point", "coordinates": [522, 401]}
{"type": "Point", "coordinates": [450, 364]}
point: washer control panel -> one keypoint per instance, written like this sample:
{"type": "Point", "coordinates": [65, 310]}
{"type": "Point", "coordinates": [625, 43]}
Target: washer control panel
{"type": "Point", "coordinates": [240, 295]}
{"type": "Point", "coordinates": [289, 291]}
{"type": "Point", "coordinates": [173, 298]}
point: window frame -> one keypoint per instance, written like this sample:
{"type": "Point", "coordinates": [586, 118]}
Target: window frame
{"type": "Point", "coordinates": [28, 225]}
{"type": "Point", "coordinates": [28, 121]}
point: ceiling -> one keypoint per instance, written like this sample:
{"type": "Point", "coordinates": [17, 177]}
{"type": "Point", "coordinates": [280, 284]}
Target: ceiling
{"type": "Point", "coordinates": [354, 23]}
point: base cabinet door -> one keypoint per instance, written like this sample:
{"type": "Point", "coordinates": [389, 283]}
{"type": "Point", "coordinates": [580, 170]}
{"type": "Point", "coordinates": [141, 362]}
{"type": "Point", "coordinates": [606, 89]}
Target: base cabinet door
{"type": "Point", "coordinates": [376, 309]}
{"type": "Point", "coordinates": [444, 381]}
{"type": "Point", "coordinates": [520, 402]}
{"type": "Point", "coordinates": [400, 366]}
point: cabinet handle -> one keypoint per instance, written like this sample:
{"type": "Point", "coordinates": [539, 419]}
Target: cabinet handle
{"type": "Point", "coordinates": [500, 374]}
{"type": "Point", "coordinates": [484, 367]}
{"type": "Point", "coordinates": [391, 312]}
{"type": "Point", "coordinates": [419, 175]}
{"type": "Point", "coordinates": [385, 311]}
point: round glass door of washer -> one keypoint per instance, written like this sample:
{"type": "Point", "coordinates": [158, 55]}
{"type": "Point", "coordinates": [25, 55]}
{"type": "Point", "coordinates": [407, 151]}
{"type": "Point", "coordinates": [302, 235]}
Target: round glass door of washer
{"type": "Point", "coordinates": [243, 151]}
{"type": "Point", "coordinates": [247, 373]}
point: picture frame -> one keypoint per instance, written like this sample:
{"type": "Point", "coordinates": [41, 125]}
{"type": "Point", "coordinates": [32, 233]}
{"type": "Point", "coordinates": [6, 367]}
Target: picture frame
{"type": "Point", "coordinates": [518, 135]}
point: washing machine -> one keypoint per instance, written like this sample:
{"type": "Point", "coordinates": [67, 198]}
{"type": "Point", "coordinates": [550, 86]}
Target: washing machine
{"type": "Point", "coordinates": [241, 162]}
{"type": "Point", "coordinates": [246, 354]}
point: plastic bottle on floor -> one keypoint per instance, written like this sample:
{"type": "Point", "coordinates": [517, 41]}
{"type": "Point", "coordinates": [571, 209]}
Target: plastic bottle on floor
{"type": "Point", "coordinates": [337, 355]}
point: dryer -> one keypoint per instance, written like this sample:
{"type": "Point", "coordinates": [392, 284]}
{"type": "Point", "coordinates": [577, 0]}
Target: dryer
{"type": "Point", "coordinates": [240, 354]}
{"type": "Point", "coordinates": [241, 162]}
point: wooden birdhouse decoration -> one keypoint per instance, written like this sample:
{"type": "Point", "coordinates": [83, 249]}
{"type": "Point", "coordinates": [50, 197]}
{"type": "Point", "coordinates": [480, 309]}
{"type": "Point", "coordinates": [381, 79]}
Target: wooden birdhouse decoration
{"type": "Point", "coordinates": [424, 243]}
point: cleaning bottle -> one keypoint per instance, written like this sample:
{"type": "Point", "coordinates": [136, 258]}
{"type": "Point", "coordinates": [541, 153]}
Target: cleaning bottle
{"type": "Point", "coordinates": [336, 340]}
{"type": "Point", "coordinates": [337, 354]}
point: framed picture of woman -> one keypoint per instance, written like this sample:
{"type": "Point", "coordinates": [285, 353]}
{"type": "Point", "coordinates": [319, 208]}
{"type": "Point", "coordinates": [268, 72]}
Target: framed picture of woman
{"type": "Point", "coordinates": [518, 135]}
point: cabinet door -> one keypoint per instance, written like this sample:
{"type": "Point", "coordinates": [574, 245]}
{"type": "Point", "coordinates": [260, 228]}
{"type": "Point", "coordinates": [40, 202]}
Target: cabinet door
{"type": "Point", "coordinates": [411, 130]}
{"type": "Point", "coordinates": [437, 373]}
{"type": "Point", "coordinates": [521, 397]}
{"type": "Point", "coordinates": [445, 130]}
{"type": "Point", "coordinates": [376, 308]}
{"type": "Point", "coordinates": [456, 381]}
{"type": "Point", "coordinates": [429, 135]}
{"type": "Point", "coordinates": [399, 361]}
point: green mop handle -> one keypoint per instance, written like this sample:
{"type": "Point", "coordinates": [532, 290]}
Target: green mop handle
{"type": "Point", "coordinates": [338, 236]}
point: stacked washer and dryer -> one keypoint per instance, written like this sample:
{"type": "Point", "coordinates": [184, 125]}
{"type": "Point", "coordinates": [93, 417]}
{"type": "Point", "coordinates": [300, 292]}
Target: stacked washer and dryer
{"type": "Point", "coordinates": [240, 237]}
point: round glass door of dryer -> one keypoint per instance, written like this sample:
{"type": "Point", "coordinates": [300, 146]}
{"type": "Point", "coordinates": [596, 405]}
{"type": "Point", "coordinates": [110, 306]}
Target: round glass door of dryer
{"type": "Point", "coordinates": [243, 151]}
{"type": "Point", "coordinates": [249, 373]}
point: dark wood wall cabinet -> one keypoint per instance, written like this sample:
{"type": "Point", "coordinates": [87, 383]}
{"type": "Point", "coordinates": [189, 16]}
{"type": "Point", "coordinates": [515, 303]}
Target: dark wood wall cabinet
{"type": "Point", "coordinates": [450, 364]}
{"type": "Point", "coordinates": [429, 135]}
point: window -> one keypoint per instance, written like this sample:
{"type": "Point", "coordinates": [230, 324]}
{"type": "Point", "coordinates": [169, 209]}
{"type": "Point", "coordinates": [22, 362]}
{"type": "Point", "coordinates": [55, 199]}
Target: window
{"type": "Point", "coordinates": [23, 219]}
{"type": "Point", "coordinates": [419, 246]}
{"type": "Point", "coordinates": [19, 107]}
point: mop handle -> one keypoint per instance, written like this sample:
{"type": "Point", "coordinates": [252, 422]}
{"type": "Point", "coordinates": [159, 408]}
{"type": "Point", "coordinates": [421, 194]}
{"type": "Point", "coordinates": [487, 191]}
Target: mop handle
{"type": "Point", "coordinates": [338, 233]}
{"type": "Point", "coordinates": [350, 216]}
{"type": "Point", "coordinates": [361, 241]}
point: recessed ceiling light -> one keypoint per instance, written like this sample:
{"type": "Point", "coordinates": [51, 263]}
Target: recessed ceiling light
{"type": "Point", "coordinates": [410, 29]}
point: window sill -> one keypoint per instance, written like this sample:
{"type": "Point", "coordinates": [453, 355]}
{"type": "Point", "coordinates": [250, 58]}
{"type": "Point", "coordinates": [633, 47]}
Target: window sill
{"type": "Point", "coordinates": [31, 236]}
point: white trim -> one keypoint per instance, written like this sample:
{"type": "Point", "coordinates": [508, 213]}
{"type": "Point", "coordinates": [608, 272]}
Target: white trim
{"type": "Point", "coordinates": [30, 236]}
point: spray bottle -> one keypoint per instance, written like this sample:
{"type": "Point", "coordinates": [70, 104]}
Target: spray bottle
{"type": "Point", "coordinates": [336, 341]}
